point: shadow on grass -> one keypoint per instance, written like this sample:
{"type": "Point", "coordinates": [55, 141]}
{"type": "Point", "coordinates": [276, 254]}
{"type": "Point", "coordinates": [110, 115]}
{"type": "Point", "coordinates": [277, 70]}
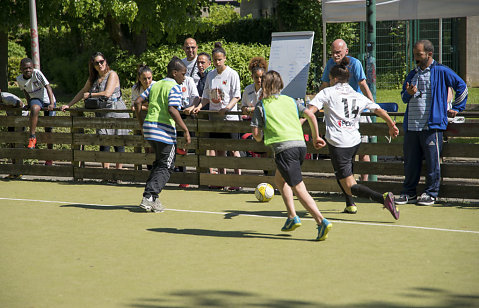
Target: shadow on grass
{"type": "Point", "coordinates": [302, 214]}
{"type": "Point", "coordinates": [229, 298]}
{"type": "Point", "coordinates": [230, 234]}
{"type": "Point", "coordinates": [131, 208]}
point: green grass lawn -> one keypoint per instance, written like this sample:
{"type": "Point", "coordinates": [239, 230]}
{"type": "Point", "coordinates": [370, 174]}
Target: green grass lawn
{"type": "Point", "coordinates": [73, 245]}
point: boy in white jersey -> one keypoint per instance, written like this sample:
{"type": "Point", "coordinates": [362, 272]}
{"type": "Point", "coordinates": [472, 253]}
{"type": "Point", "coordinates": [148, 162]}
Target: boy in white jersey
{"type": "Point", "coordinates": [277, 116]}
{"type": "Point", "coordinates": [39, 94]}
{"type": "Point", "coordinates": [342, 109]}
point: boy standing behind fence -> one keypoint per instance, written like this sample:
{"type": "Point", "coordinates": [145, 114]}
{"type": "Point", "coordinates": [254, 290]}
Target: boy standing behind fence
{"type": "Point", "coordinates": [278, 117]}
{"type": "Point", "coordinates": [159, 129]}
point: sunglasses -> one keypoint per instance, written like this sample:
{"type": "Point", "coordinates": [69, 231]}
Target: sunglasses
{"type": "Point", "coordinates": [190, 47]}
{"type": "Point", "coordinates": [101, 62]}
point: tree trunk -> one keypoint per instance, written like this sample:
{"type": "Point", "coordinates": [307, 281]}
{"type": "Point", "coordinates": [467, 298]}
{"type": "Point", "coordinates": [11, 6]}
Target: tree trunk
{"type": "Point", "coordinates": [134, 43]}
{"type": "Point", "coordinates": [4, 60]}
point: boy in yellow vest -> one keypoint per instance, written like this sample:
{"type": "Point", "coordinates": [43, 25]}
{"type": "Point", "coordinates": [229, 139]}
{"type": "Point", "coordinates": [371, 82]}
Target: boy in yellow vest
{"type": "Point", "coordinates": [278, 117]}
{"type": "Point", "coordinates": [159, 129]}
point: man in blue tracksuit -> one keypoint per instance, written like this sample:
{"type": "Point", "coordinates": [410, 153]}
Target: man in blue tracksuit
{"type": "Point", "coordinates": [425, 91]}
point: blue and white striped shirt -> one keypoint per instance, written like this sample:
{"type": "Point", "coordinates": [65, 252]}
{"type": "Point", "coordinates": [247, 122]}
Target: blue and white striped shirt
{"type": "Point", "coordinates": [420, 104]}
{"type": "Point", "coordinates": [157, 131]}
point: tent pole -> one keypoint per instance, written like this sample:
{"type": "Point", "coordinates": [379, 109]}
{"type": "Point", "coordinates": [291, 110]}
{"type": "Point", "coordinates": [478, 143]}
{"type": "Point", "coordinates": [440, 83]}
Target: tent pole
{"type": "Point", "coordinates": [371, 65]}
{"type": "Point", "coordinates": [324, 45]}
{"type": "Point", "coordinates": [440, 40]}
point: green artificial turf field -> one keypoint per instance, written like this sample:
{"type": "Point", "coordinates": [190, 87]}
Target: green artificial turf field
{"type": "Point", "coordinates": [88, 245]}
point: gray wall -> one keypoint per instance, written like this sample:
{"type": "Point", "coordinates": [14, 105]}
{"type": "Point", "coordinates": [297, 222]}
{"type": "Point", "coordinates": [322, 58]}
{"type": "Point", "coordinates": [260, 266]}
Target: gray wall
{"type": "Point", "coordinates": [471, 46]}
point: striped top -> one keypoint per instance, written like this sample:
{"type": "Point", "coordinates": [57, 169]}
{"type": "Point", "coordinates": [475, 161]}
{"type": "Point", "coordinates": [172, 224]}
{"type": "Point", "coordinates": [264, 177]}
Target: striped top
{"type": "Point", "coordinates": [420, 104]}
{"type": "Point", "coordinates": [158, 125]}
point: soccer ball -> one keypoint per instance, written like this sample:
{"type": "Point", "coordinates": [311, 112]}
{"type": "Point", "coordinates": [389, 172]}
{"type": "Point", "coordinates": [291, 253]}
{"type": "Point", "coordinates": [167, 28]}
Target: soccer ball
{"type": "Point", "coordinates": [264, 192]}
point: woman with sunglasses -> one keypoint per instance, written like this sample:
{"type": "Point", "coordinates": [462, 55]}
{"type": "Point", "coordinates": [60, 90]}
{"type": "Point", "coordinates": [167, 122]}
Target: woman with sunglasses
{"type": "Point", "coordinates": [103, 82]}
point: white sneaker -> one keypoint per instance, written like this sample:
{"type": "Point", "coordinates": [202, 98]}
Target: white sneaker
{"type": "Point", "coordinates": [151, 204]}
{"type": "Point", "coordinates": [146, 203]}
{"type": "Point", "coordinates": [426, 199]}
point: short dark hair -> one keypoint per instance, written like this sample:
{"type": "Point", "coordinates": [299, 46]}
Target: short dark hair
{"type": "Point", "coordinates": [428, 46]}
{"type": "Point", "coordinates": [175, 64]}
{"type": "Point", "coordinates": [206, 55]}
{"type": "Point", "coordinates": [25, 61]}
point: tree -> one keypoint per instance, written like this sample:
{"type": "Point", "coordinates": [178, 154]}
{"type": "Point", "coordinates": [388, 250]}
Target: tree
{"type": "Point", "coordinates": [12, 14]}
{"type": "Point", "coordinates": [130, 24]}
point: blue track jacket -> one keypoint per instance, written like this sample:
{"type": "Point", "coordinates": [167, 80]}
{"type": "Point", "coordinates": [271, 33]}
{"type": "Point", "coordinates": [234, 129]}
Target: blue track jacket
{"type": "Point", "coordinates": [442, 77]}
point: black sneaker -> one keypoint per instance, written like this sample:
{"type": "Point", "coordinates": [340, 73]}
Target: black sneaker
{"type": "Point", "coordinates": [403, 199]}
{"type": "Point", "coordinates": [426, 199]}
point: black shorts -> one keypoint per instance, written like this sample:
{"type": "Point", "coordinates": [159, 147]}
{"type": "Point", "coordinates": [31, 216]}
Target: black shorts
{"type": "Point", "coordinates": [289, 164]}
{"type": "Point", "coordinates": [342, 160]}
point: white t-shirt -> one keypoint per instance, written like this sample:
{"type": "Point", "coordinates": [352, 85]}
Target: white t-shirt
{"type": "Point", "coordinates": [35, 86]}
{"type": "Point", "coordinates": [10, 99]}
{"type": "Point", "coordinates": [188, 92]}
{"type": "Point", "coordinates": [342, 110]}
{"type": "Point", "coordinates": [136, 92]}
{"type": "Point", "coordinates": [192, 69]}
{"type": "Point", "coordinates": [221, 88]}
{"type": "Point", "coordinates": [250, 96]}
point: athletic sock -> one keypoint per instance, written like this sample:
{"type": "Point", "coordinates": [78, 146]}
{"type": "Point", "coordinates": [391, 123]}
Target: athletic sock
{"type": "Point", "coordinates": [366, 192]}
{"type": "Point", "coordinates": [348, 198]}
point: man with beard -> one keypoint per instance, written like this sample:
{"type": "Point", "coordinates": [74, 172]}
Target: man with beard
{"type": "Point", "coordinates": [425, 92]}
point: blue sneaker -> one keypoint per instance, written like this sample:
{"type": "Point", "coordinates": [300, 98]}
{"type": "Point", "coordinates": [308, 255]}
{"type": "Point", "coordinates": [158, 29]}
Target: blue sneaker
{"type": "Point", "coordinates": [291, 224]}
{"type": "Point", "coordinates": [323, 230]}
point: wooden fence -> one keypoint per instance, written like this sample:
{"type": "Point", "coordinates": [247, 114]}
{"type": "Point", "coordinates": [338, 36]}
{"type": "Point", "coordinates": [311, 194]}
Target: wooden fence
{"type": "Point", "coordinates": [76, 154]}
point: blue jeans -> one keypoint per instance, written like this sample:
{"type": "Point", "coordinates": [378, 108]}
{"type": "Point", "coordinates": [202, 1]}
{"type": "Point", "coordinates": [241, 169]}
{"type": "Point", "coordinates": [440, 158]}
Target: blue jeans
{"type": "Point", "coordinates": [427, 145]}
{"type": "Point", "coordinates": [42, 104]}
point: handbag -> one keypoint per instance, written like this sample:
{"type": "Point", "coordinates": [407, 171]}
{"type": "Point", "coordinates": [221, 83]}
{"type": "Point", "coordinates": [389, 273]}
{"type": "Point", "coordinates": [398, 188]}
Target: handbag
{"type": "Point", "coordinates": [94, 102]}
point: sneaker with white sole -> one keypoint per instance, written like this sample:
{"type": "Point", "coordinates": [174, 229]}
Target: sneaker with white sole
{"type": "Point", "coordinates": [151, 204]}
{"type": "Point", "coordinates": [404, 199]}
{"type": "Point", "coordinates": [426, 199]}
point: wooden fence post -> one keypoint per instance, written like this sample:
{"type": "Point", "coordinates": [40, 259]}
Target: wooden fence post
{"type": "Point", "coordinates": [76, 130]}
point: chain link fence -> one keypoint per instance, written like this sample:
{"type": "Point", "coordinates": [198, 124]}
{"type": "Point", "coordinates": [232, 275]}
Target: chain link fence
{"type": "Point", "coordinates": [394, 42]}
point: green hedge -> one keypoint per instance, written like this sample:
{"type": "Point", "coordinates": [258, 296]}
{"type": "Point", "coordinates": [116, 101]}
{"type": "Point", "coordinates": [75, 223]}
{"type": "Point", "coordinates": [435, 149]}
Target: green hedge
{"type": "Point", "coordinates": [16, 53]}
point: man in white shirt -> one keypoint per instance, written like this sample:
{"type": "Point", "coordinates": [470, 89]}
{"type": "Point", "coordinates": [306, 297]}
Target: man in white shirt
{"type": "Point", "coordinates": [191, 50]}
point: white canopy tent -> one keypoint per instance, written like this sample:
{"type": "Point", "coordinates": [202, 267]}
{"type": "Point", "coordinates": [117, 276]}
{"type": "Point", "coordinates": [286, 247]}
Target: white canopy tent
{"type": "Point", "coordinates": [355, 10]}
